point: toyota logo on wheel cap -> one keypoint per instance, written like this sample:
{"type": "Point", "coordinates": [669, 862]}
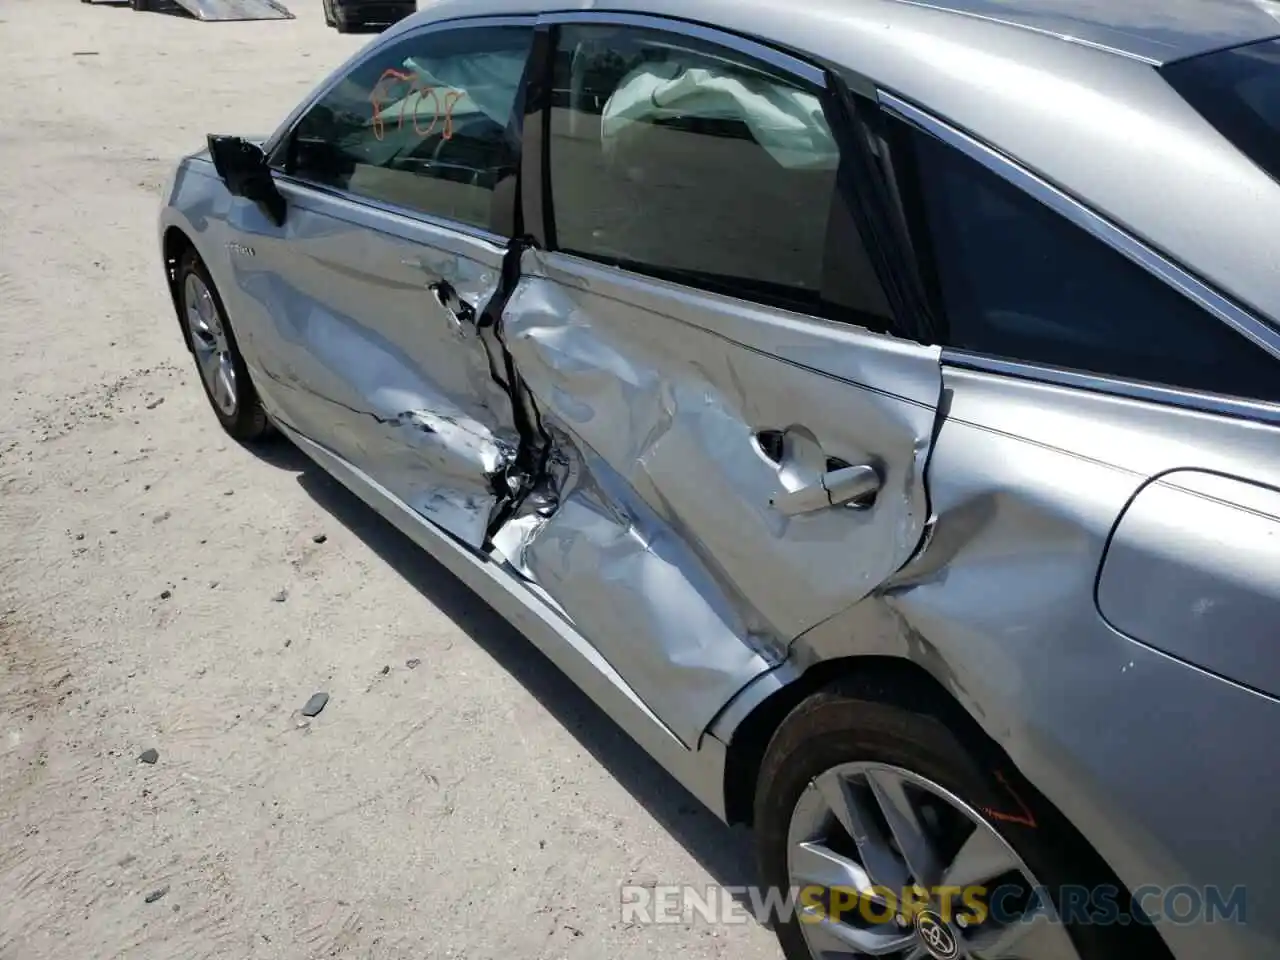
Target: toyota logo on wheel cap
{"type": "Point", "coordinates": [936, 936]}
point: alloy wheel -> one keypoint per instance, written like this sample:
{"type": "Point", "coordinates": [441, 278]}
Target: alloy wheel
{"type": "Point", "coordinates": [894, 841]}
{"type": "Point", "coordinates": [210, 345]}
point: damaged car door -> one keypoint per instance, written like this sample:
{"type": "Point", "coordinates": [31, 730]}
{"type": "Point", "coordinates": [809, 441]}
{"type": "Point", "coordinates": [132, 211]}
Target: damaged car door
{"type": "Point", "coordinates": [372, 329]}
{"type": "Point", "coordinates": [733, 443]}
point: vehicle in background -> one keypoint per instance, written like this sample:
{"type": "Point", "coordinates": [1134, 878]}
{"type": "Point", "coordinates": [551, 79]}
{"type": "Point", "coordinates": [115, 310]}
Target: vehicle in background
{"type": "Point", "coordinates": [350, 16]}
{"type": "Point", "coordinates": [872, 405]}
{"type": "Point", "coordinates": [216, 9]}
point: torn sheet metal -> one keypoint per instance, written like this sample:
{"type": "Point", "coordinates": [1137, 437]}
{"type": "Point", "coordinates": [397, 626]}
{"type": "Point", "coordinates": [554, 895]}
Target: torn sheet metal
{"type": "Point", "coordinates": [655, 532]}
{"type": "Point", "coordinates": [236, 9]}
{"type": "Point", "coordinates": [383, 415]}
{"type": "Point", "coordinates": [647, 602]}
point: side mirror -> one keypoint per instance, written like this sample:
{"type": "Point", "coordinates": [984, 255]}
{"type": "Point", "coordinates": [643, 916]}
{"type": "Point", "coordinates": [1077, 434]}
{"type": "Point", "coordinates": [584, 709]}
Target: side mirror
{"type": "Point", "coordinates": [243, 168]}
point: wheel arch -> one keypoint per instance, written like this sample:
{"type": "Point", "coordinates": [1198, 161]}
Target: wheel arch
{"type": "Point", "coordinates": [882, 677]}
{"type": "Point", "coordinates": [175, 243]}
{"type": "Point", "coordinates": [905, 682]}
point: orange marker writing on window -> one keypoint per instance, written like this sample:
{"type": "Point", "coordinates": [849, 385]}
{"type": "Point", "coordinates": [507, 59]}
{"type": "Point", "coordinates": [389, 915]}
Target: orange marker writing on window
{"type": "Point", "coordinates": [417, 92]}
{"type": "Point", "coordinates": [377, 97]}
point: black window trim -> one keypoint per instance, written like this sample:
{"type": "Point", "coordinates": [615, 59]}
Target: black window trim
{"type": "Point", "coordinates": [279, 140]}
{"type": "Point", "coordinates": [1214, 304]}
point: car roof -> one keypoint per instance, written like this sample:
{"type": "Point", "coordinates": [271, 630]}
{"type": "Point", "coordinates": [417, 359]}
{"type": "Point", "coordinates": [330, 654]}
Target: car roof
{"type": "Point", "coordinates": [1157, 30]}
{"type": "Point", "coordinates": [1067, 88]}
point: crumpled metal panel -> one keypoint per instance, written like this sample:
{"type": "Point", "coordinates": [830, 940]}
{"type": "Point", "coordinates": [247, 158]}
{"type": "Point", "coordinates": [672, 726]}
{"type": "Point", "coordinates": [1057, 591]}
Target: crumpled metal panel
{"type": "Point", "coordinates": [1027, 481]}
{"type": "Point", "coordinates": [356, 352]}
{"type": "Point", "coordinates": [657, 538]}
{"type": "Point", "coordinates": [236, 9]}
{"type": "Point", "coordinates": [628, 582]}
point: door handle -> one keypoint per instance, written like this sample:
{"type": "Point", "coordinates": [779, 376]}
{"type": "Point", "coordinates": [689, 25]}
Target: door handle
{"type": "Point", "coordinates": [461, 314]}
{"type": "Point", "coordinates": [832, 489]}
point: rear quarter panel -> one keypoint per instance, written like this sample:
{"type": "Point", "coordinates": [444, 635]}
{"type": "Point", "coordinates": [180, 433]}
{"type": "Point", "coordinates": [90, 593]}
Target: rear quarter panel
{"type": "Point", "coordinates": [1164, 767]}
{"type": "Point", "coordinates": [1193, 569]}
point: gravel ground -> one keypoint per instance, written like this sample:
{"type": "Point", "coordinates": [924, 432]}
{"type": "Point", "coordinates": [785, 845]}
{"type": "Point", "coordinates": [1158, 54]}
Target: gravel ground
{"type": "Point", "coordinates": [162, 588]}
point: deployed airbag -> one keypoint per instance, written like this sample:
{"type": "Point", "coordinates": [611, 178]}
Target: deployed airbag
{"type": "Point", "coordinates": [788, 123]}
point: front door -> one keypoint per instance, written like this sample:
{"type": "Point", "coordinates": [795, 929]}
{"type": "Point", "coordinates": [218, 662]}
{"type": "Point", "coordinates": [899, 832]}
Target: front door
{"type": "Point", "coordinates": [367, 311]}
{"type": "Point", "coordinates": [736, 447]}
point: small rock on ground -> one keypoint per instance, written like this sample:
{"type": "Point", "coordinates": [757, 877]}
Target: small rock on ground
{"type": "Point", "coordinates": [315, 704]}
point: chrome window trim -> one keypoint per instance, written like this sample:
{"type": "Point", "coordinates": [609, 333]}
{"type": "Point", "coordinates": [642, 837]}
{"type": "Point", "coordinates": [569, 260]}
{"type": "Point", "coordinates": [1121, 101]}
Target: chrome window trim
{"type": "Point", "coordinates": [361, 57]}
{"type": "Point", "coordinates": [1224, 310]}
{"type": "Point", "coordinates": [775, 58]}
{"type": "Point", "coordinates": [332, 193]}
{"type": "Point", "coordinates": [294, 118]}
{"type": "Point", "coordinates": [1130, 389]}
{"type": "Point", "coordinates": [785, 62]}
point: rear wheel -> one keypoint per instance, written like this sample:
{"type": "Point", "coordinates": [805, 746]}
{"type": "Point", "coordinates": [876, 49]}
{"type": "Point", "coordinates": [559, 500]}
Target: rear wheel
{"type": "Point", "coordinates": [344, 20]}
{"type": "Point", "coordinates": [222, 369]}
{"type": "Point", "coordinates": [328, 13]}
{"type": "Point", "coordinates": [141, 5]}
{"type": "Point", "coordinates": [869, 809]}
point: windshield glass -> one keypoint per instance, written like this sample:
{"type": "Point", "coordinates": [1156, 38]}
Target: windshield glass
{"type": "Point", "coordinates": [1238, 91]}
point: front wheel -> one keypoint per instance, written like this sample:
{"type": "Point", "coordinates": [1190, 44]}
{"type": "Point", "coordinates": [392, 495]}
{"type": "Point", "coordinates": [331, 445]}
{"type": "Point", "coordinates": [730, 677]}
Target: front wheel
{"type": "Point", "coordinates": [328, 13]}
{"type": "Point", "coordinates": [222, 369]}
{"type": "Point", "coordinates": [899, 835]}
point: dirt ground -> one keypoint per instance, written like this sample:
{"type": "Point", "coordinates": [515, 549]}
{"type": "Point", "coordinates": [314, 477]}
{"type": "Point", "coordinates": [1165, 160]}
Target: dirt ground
{"type": "Point", "coordinates": [160, 587]}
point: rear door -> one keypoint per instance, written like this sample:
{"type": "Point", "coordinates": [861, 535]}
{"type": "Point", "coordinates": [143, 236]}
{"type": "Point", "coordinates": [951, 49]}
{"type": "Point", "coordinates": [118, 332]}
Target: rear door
{"type": "Point", "coordinates": [735, 443]}
{"type": "Point", "coordinates": [367, 308]}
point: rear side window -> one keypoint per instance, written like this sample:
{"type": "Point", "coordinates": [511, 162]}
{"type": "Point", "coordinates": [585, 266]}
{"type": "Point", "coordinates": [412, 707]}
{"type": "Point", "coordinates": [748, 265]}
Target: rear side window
{"type": "Point", "coordinates": [1018, 281]}
{"type": "Point", "coordinates": [1238, 91]}
{"type": "Point", "coordinates": [423, 124]}
{"type": "Point", "coordinates": [685, 160]}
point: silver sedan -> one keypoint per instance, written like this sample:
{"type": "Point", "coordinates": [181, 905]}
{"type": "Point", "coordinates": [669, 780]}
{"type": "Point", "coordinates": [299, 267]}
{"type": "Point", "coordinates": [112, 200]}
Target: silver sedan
{"type": "Point", "coordinates": [871, 404]}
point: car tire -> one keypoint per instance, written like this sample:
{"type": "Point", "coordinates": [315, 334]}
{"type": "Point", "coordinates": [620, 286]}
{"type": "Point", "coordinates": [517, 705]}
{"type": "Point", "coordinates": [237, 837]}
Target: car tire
{"type": "Point", "coordinates": [215, 348]}
{"type": "Point", "coordinates": [344, 21]}
{"type": "Point", "coordinates": [141, 6]}
{"type": "Point", "coordinates": [847, 725]}
{"type": "Point", "coordinates": [326, 5]}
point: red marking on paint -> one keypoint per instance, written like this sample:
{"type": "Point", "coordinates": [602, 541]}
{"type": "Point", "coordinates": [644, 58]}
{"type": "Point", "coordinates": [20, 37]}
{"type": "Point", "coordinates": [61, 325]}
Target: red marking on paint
{"type": "Point", "coordinates": [1023, 818]}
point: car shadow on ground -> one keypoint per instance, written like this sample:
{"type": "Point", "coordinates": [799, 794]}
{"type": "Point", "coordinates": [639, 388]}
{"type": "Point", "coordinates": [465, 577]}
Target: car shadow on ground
{"type": "Point", "coordinates": [725, 852]}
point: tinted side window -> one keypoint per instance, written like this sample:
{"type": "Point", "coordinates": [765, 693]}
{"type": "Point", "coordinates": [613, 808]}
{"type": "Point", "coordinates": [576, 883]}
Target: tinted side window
{"type": "Point", "coordinates": [681, 159]}
{"type": "Point", "coordinates": [423, 124]}
{"type": "Point", "coordinates": [1238, 91]}
{"type": "Point", "coordinates": [1019, 281]}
